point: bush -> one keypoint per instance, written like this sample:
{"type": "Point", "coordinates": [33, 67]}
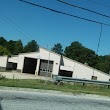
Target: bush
{"type": "Point", "coordinates": [2, 77]}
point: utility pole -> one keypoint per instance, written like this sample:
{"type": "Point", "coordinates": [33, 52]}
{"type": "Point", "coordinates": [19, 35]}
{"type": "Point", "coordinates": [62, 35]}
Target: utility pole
{"type": "Point", "coordinates": [47, 66]}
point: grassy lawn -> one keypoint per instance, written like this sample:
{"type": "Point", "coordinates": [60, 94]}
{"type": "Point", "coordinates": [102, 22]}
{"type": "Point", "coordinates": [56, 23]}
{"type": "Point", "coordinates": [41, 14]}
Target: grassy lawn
{"type": "Point", "coordinates": [66, 87]}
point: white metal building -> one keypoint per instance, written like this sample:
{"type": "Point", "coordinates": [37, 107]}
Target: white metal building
{"type": "Point", "coordinates": [47, 62]}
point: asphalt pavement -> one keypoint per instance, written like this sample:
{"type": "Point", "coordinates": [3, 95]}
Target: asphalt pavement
{"type": "Point", "coordinates": [26, 100]}
{"type": "Point", "coordinates": [17, 75]}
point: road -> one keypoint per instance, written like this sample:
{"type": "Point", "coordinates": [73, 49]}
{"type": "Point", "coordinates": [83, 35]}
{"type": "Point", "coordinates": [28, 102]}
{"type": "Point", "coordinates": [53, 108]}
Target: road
{"type": "Point", "coordinates": [23, 100]}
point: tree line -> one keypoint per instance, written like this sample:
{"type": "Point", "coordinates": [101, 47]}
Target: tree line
{"type": "Point", "coordinates": [15, 47]}
{"type": "Point", "coordinates": [75, 51]}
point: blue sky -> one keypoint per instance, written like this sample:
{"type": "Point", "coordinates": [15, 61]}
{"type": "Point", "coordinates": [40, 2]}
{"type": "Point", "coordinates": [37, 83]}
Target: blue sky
{"type": "Point", "coordinates": [23, 21]}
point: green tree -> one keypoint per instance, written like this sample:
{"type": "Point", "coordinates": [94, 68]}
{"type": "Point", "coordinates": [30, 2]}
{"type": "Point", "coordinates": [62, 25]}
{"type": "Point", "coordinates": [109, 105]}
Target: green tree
{"type": "Point", "coordinates": [80, 53]}
{"type": "Point", "coordinates": [73, 50]}
{"type": "Point", "coordinates": [31, 46]}
{"type": "Point", "coordinates": [57, 48]}
{"type": "Point", "coordinates": [104, 63]}
{"type": "Point", "coordinates": [18, 47]}
{"type": "Point", "coordinates": [4, 51]}
{"type": "Point", "coordinates": [11, 46]}
{"type": "Point", "coordinates": [3, 41]}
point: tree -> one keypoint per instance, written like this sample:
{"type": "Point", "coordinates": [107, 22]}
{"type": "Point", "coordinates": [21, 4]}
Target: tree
{"type": "Point", "coordinates": [11, 46]}
{"type": "Point", "coordinates": [73, 51]}
{"type": "Point", "coordinates": [3, 42]}
{"type": "Point", "coordinates": [57, 48]}
{"type": "Point", "coordinates": [31, 46]}
{"type": "Point", "coordinates": [18, 47]}
{"type": "Point", "coordinates": [4, 51]}
{"type": "Point", "coordinates": [80, 53]}
{"type": "Point", "coordinates": [104, 63]}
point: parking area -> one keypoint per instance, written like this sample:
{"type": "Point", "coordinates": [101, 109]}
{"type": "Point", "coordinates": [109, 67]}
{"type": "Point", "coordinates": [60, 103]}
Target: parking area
{"type": "Point", "coordinates": [17, 75]}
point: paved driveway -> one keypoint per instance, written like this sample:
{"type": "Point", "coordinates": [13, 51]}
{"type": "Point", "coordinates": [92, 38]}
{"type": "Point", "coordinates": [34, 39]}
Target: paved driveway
{"type": "Point", "coordinates": [17, 75]}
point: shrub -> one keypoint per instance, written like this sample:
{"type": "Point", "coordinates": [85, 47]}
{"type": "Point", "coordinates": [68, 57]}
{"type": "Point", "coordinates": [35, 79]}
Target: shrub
{"type": "Point", "coordinates": [2, 77]}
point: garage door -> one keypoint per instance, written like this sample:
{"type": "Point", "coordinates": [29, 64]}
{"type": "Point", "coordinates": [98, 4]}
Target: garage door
{"type": "Point", "coordinates": [29, 65]}
{"type": "Point", "coordinates": [11, 66]}
{"type": "Point", "coordinates": [43, 68]}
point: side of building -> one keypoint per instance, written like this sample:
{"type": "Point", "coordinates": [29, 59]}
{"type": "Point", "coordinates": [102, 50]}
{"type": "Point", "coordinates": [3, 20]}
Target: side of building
{"type": "Point", "coordinates": [3, 62]}
{"type": "Point", "coordinates": [48, 63]}
{"type": "Point", "coordinates": [75, 69]}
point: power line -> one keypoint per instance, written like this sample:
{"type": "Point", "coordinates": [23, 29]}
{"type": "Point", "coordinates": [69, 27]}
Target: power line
{"type": "Point", "coordinates": [98, 3]}
{"type": "Point", "coordinates": [18, 28]}
{"type": "Point", "coordinates": [90, 11]}
{"type": "Point", "coordinates": [64, 13]}
{"type": "Point", "coordinates": [83, 8]}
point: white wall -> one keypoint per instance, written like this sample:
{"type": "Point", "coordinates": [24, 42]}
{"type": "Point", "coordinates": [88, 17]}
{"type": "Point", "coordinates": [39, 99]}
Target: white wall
{"type": "Point", "coordinates": [101, 76]}
{"type": "Point", "coordinates": [83, 71]}
{"type": "Point", "coordinates": [3, 61]}
{"type": "Point", "coordinates": [42, 54]}
{"type": "Point", "coordinates": [54, 57]}
{"type": "Point", "coordinates": [21, 59]}
{"type": "Point", "coordinates": [66, 68]}
{"type": "Point", "coordinates": [13, 59]}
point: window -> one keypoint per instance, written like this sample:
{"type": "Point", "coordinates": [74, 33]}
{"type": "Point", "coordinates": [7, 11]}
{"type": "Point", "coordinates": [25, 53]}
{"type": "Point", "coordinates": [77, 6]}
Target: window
{"type": "Point", "coordinates": [94, 78]}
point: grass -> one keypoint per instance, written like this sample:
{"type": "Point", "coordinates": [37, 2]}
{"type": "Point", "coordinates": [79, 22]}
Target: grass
{"type": "Point", "coordinates": [66, 87]}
